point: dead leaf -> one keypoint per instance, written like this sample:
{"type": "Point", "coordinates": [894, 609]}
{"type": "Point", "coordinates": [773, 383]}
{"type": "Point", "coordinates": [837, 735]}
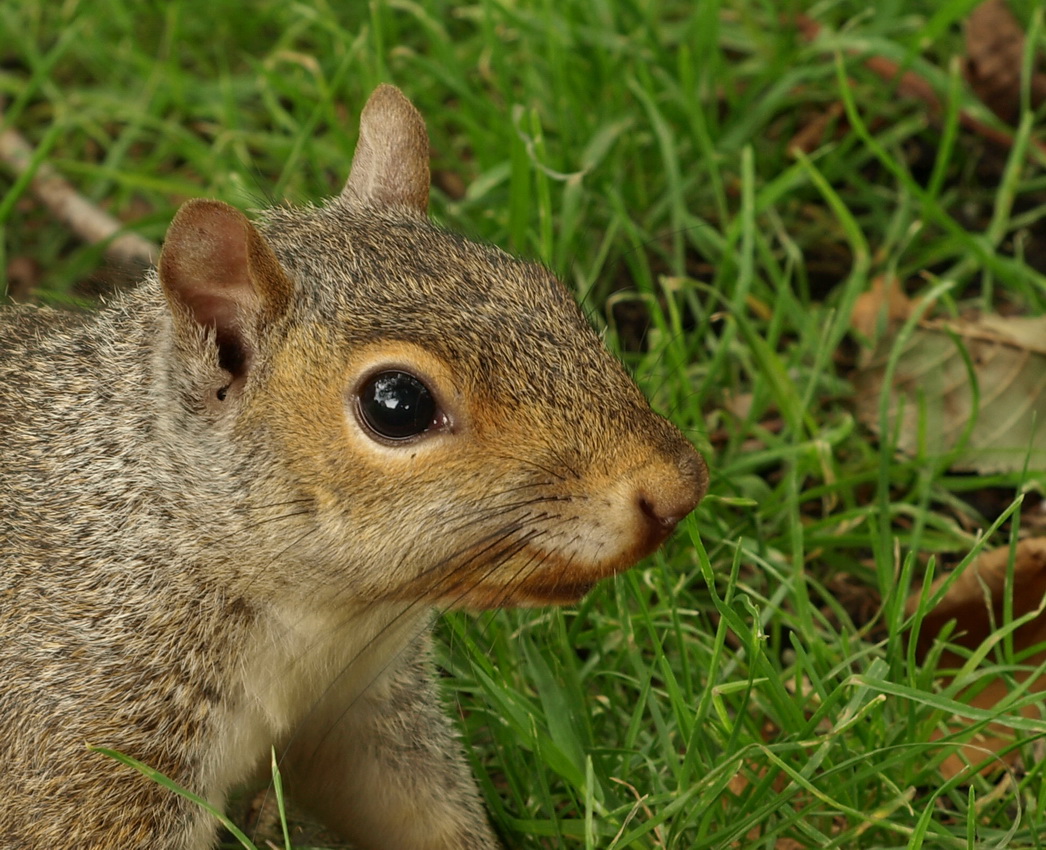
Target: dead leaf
{"type": "Point", "coordinates": [884, 300]}
{"type": "Point", "coordinates": [976, 603]}
{"type": "Point", "coordinates": [737, 786]}
{"type": "Point", "coordinates": [909, 84]}
{"type": "Point", "coordinates": [994, 59]}
{"type": "Point", "coordinates": [739, 405]}
{"type": "Point", "coordinates": [966, 600]}
{"type": "Point", "coordinates": [932, 396]}
{"type": "Point", "coordinates": [812, 134]}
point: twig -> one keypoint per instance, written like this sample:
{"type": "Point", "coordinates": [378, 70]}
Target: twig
{"type": "Point", "coordinates": [84, 218]}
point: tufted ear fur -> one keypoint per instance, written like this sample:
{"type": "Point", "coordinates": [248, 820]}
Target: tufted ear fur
{"type": "Point", "coordinates": [219, 272]}
{"type": "Point", "coordinates": [391, 166]}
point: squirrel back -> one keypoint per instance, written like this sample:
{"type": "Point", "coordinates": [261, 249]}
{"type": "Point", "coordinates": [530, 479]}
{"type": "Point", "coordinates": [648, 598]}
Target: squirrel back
{"type": "Point", "coordinates": [231, 499]}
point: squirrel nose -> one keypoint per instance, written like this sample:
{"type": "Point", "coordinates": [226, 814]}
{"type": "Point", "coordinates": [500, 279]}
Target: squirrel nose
{"type": "Point", "coordinates": [671, 494]}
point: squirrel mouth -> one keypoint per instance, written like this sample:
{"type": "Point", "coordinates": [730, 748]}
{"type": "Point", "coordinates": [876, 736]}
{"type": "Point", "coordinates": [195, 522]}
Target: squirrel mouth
{"type": "Point", "coordinates": [530, 578]}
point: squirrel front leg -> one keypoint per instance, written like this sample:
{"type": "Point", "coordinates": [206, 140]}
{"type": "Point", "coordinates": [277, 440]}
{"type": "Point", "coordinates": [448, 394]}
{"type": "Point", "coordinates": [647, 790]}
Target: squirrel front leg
{"type": "Point", "coordinates": [384, 768]}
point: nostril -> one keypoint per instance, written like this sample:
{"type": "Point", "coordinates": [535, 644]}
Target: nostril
{"type": "Point", "coordinates": [665, 520]}
{"type": "Point", "coordinates": [665, 491]}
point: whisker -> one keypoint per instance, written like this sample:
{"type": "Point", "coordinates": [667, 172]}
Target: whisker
{"type": "Point", "coordinates": [527, 462]}
{"type": "Point", "coordinates": [278, 518]}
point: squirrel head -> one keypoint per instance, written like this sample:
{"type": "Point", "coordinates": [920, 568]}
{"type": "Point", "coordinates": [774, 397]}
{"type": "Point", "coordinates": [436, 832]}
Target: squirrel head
{"type": "Point", "coordinates": [414, 416]}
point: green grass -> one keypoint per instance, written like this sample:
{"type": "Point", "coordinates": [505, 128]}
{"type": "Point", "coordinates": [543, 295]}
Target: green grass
{"type": "Point", "coordinates": [726, 693]}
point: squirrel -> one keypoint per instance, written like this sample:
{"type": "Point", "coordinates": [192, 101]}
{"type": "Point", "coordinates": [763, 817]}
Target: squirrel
{"type": "Point", "coordinates": [233, 499]}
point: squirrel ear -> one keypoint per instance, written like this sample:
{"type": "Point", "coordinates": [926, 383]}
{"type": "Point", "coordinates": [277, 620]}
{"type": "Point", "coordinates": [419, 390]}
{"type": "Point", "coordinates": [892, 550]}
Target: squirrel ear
{"type": "Point", "coordinates": [391, 164]}
{"type": "Point", "coordinates": [217, 269]}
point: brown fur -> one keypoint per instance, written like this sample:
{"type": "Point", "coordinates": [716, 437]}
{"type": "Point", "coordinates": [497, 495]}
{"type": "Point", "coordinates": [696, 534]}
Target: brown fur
{"type": "Point", "coordinates": [204, 553]}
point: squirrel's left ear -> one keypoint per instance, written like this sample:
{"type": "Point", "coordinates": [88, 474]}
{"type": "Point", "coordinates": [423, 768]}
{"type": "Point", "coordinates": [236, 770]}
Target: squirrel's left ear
{"type": "Point", "coordinates": [219, 272]}
{"type": "Point", "coordinates": [391, 166]}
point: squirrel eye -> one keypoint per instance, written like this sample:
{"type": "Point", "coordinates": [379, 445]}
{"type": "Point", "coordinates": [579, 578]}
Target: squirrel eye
{"type": "Point", "coordinates": [396, 405]}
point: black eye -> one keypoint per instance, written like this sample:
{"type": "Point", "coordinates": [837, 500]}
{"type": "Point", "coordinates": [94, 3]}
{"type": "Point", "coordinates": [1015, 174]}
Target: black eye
{"type": "Point", "coordinates": [396, 405]}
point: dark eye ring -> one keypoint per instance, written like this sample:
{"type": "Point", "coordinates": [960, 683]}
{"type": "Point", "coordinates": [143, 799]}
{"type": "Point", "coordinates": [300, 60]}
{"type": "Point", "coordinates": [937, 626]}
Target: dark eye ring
{"type": "Point", "coordinates": [396, 405]}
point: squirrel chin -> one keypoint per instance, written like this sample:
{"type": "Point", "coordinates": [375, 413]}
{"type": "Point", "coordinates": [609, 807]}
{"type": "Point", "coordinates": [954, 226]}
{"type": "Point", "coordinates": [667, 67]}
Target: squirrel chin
{"type": "Point", "coordinates": [524, 596]}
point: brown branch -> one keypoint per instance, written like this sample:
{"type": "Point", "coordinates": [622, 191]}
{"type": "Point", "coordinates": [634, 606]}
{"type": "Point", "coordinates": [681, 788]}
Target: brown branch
{"type": "Point", "coordinates": [84, 218]}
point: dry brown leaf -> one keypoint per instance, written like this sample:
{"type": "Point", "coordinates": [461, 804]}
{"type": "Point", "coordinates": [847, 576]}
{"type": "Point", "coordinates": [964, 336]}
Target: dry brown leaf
{"type": "Point", "coordinates": [739, 783]}
{"type": "Point", "coordinates": [910, 84]}
{"type": "Point", "coordinates": [976, 602]}
{"type": "Point", "coordinates": [906, 83]}
{"type": "Point", "coordinates": [884, 300]}
{"type": "Point", "coordinates": [994, 58]}
{"type": "Point", "coordinates": [965, 600]}
{"type": "Point", "coordinates": [932, 395]}
{"type": "Point", "coordinates": [812, 134]}
{"type": "Point", "coordinates": [739, 405]}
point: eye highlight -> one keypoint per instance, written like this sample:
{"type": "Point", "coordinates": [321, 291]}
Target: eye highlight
{"type": "Point", "coordinates": [396, 405]}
